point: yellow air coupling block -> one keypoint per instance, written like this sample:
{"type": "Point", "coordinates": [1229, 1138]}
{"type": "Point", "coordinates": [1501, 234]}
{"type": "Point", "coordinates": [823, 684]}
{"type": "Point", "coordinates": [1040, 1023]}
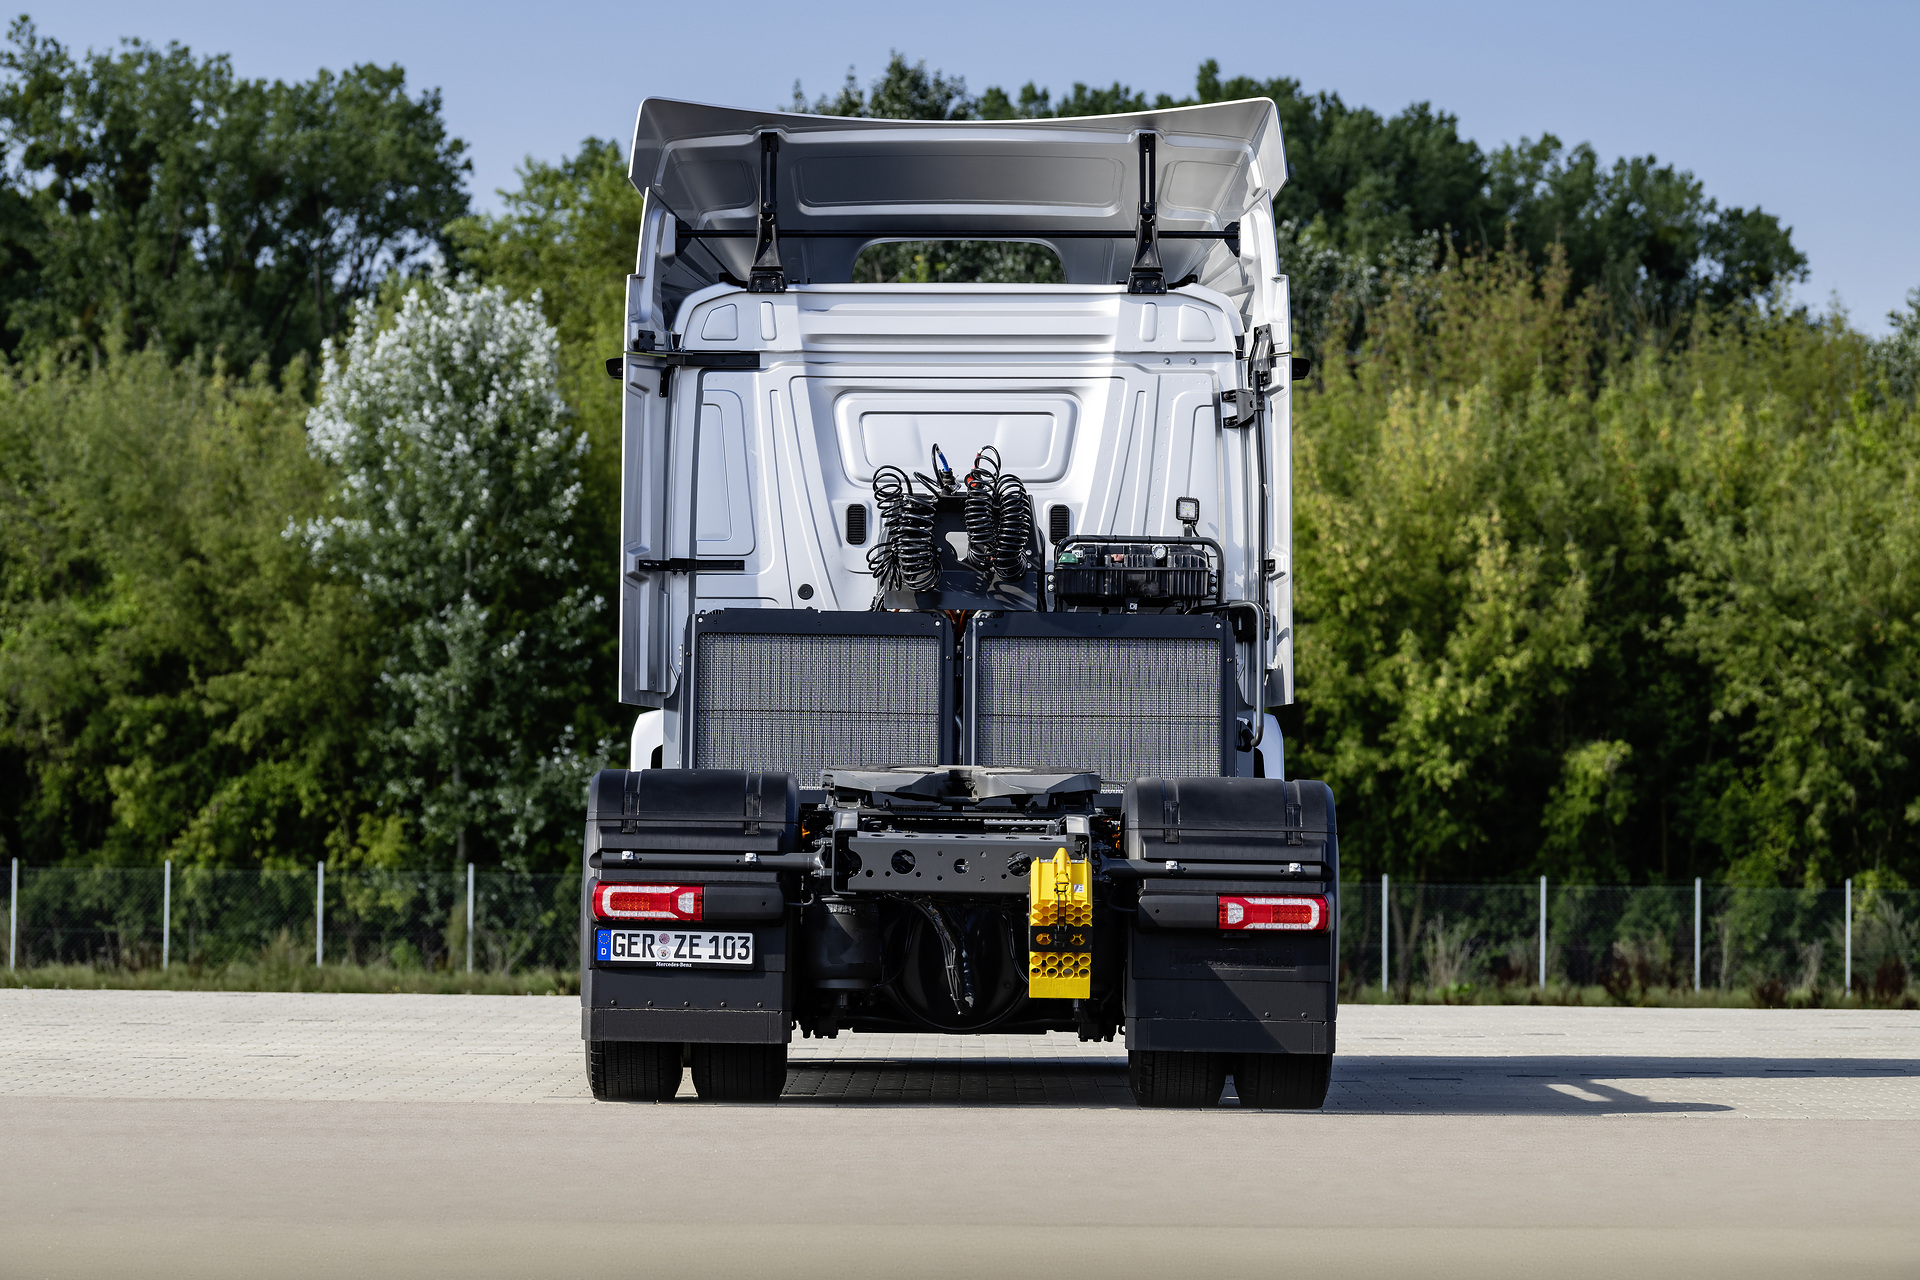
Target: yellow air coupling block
{"type": "Point", "coordinates": [1060, 928]}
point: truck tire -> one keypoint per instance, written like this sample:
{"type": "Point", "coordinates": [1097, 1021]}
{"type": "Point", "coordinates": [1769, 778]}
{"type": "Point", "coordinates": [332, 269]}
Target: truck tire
{"type": "Point", "coordinates": [1164, 1079]}
{"type": "Point", "coordinates": [739, 1072]}
{"type": "Point", "coordinates": [1282, 1081]}
{"type": "Point", "coordinates": [630, 1071]}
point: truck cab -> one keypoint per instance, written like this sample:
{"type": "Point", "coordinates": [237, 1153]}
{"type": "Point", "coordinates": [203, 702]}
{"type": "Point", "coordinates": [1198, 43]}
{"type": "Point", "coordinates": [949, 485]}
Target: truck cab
{"type": "Point", "coordinates": [956, 614]}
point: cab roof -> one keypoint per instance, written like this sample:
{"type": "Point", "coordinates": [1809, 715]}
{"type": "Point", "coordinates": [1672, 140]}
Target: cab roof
{"type": "Point", "coordinates": [952, 179]}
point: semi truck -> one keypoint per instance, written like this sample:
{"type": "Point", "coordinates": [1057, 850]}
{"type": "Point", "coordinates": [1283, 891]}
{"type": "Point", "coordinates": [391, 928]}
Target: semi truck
{"type": "Point", "coordinates": [958, 614]}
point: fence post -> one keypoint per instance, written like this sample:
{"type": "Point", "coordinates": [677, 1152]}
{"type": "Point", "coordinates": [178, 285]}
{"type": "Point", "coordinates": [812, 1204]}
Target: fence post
{"type": "Point", "coordinates": [1543, 933]}
{"type": "Point", "coordinates": [1386, 970]}
{"type": "Point", "coordinates": [13, 912]}
{"type": "Point", "coordinates": [166, 914]}
{"type": "Point", "coordinates": [319, 913]}
{"type": "Point", "coordinates": [1849, 935]}
{"type": "Point", "coordinates": [469, 917]}
{"type": "Point", "coordinates": [1696, 933]}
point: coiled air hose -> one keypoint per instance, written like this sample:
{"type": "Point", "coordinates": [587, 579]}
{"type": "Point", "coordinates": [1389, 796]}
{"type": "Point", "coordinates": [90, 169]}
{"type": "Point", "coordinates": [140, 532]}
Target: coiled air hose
{"type": "Point", "coordinates": [996, 508]}
{"type": "Point", "coordinates": [981, 518]}
{"type": "Point", "coordinates": [1013, 536]}
{"type": "Point", "coordinates": [904, 560]}
{"type": "Point", "coordinates": [999, 517]}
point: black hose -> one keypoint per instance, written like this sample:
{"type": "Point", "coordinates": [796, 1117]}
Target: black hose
{"type": "Point", "coordinates": [923, 1017]}
{"type": "Point", "coordinates": [956, 1029]}
{"type": "Point", "coordinates": [996, 508]}
{"type": "Point", "coordinates": [903, 560]}
{"type": "Point", "coordinates": [919, 569]}
{"type": "Point", "coordinates": [883, 560]}
{"type": "Point", "coordinates": [978, 511]}
{"type": "Point", "coordinates": [1013, 536]}
{"type": "Point", "coordinates": [954, 953]}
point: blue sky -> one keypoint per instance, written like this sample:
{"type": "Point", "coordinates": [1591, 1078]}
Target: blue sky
{"type": "Point", "coordinates": [1810, 111]}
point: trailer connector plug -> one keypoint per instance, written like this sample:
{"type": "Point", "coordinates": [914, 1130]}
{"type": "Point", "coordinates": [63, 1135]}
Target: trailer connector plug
{"type": "Point", "coordinates": [943, 471]}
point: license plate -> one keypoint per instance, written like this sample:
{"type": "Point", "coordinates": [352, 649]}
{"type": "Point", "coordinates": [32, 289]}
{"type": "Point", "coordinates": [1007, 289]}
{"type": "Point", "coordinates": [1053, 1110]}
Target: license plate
{"type": "Point", "coordinates": [673, 948]}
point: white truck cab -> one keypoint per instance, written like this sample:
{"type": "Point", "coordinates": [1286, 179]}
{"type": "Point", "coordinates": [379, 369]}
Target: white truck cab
{"type": "Point", "coordinates": [997, 576]}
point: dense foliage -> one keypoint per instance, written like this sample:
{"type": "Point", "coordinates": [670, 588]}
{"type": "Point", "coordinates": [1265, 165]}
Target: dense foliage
{"type": "Point", "coordinates": [152, 198]}
{"type": "Point", "coordinates": [458, 483]}
{"type": "Point", "coordinates": [564, 239]}
{"type": "Point", "coordinates": [1365, 186]}
{"type": "Point", "coordinates": [1604, 553]}
{"type": "Point", "coordinates": [1648, 616]}
{"type": "Point", "coordinates": [176, 677]}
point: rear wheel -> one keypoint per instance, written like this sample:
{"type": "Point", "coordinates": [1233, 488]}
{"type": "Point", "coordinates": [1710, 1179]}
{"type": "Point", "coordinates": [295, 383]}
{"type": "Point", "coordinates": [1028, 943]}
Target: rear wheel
{"type": "Point", "coordinates": [633, 1071]}
{"type": "Point", "coordinates": [739, 1072]}
{"type": "Point", "coordinates": [1163, 1079]}
{"type": "Point", "coordinates": [1284, 1081]}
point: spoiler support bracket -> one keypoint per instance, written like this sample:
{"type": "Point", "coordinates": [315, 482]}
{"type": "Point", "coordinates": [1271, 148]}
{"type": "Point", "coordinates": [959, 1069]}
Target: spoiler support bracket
{"type": "Point", "coordinates": [1148, 274]}
{"type": "Point", "coordinates": [768, 274]}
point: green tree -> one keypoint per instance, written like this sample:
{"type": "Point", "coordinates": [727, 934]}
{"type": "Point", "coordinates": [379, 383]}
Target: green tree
{"type": "Point", "coordinates": [157, 197]}
{"type": "Point", "coordinates": [460, 480]}
{"type": "Point", "coordinates": [175, 680]}
{"type": "Point", "coordinates": [1645, 233]}
{"type": "Point", "coordinates": [1796, 566]}
{"type": "Point", "coordinates": [1445, 604]}
{"type": "Point", "coordinates": [910, 92]}
{"type": "Point", "coordinates": [1370, 196]}
{"type": "Point", "coordinates": [903, 92]}
{"type": "Point", "coordinates": [1602, 614]}
{"type": "Point", "coordinates": [559, 241]}
{"type": "Point", "coordinates": [1896, 357]}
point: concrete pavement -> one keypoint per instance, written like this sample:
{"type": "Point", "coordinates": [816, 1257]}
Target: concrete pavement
{"type": "Point", "coordinates": [226, 1134]}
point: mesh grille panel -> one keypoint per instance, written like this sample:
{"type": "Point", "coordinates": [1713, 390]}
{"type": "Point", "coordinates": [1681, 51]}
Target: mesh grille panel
{"type": "Point", "coordinates": [1121, 707]}
{"type": "Point", "coordinates": [813, 702]}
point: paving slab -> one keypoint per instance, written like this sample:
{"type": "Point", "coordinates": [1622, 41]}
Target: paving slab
{"type": "Point", "coordinates": [216, 1134]}
{"type": "Point", "coordinates": [1394, 1059]}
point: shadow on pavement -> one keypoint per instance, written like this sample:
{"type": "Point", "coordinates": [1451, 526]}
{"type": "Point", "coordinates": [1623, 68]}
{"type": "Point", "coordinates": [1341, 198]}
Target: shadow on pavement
{"type": "Point", "coordinates": [1573, 1085]}
{"type": "Point", "coordinates": [1537, 1085]}
{"type": "Point", "coordinates": [1088, 1082]}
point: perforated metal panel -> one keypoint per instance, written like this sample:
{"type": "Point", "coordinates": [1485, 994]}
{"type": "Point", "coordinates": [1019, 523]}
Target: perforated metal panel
{"type": "Point", "coordinates": [809, 699]}
{"type": "Point", "coordinates": [1123, 706]}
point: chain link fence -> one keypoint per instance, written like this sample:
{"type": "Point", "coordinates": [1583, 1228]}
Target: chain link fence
{"type": "Point", "coordinates": [1440, 939]}
{"type": "Point", "coordinates": [111, 917]}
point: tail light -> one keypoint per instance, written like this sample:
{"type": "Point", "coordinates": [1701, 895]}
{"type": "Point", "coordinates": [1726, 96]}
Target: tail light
{"type": "Point", "coordinates": [1293, 914]}
{"type": "Point", "coordinates": [647, 901]}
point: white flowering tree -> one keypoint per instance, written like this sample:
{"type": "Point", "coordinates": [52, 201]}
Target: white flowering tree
{"type": "Point", "coordinates": [460, 475]}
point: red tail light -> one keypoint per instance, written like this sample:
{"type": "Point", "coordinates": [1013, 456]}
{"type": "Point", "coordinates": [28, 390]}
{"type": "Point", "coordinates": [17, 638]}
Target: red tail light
{"type": "Point", "coordinates": [1296, 915]}
{"type": "Point", "coordinates": [647, 901]}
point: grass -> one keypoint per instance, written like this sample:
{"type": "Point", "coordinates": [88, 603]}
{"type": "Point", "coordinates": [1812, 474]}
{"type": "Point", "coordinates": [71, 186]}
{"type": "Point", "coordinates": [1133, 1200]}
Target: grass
{"type": "Point", "coordinates": [278, 974]}
{"type": "Point", "coordinates": [1643, 998]}
{"type": "Point", "coordinates": [270, 976]}
{"type": "Point", "coordinates": [284, 965]}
